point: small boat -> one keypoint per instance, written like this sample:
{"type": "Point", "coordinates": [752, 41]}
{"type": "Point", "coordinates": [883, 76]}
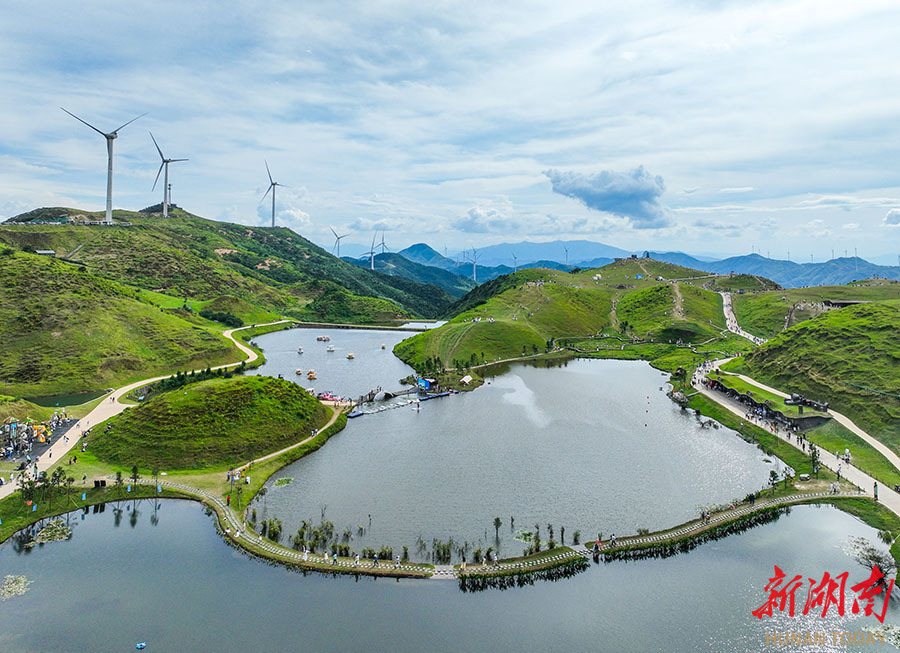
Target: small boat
{"type": "Point", "coordinates": [299, 372]}
{"type": "Point", "coordinates": [383, 347]}
{"type": "Point", "coordinates": [311, 376]}
{"type": "Point", "coordinates": [350, 356]}
{"type": "Point", "coordinates": [323, 338]}
{"type": "Point", "coordinates": [330, 348]}
{"type": "Point", "coordinates": [299, 350]}
{"type": "Point", "coordinates": [141, 646]}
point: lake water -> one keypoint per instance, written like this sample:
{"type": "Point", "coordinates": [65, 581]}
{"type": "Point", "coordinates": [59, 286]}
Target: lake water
{"type": "Point", "coordinates": [75, 399]}
{"type": "Point", "coordinates": [165, 577]}
{"type": "Point", "coordinates": [594, 446]}
{"type": "Point", "coordinates": [372, 366]}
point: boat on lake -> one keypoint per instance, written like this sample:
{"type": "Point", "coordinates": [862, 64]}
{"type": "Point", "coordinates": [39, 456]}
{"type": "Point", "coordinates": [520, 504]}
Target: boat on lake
{"type": "Point", "coordinates": [299, 350]}
{"type": "Point", "coordinates": [323, 338]}
{"type": "Point", "coordinates": [350, 356]}
{"type": "Point", "coordinates": [330, 348]}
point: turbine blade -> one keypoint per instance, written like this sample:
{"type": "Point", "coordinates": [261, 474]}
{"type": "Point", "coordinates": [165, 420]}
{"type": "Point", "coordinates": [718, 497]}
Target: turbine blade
{"type": "Point", "coordinates": [271, 181]}
{"type": "Point", "coordinates": [157, 176]}
{"type": "Point", "coordinates": [266, 193]}
{"type": "Point", "coordinates": [157, 146]}
{"type": "Point", "coordinates": [175, 160]}
{"type": "Point", "coordinates": [116, 131]}
{"type": "Point", "coordinates": [85, 122]}
{"type": "Point", "coordinates": [334, 232]}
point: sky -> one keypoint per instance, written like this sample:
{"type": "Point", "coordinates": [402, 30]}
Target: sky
{"type": "Point", "coordinates": [714, 128]}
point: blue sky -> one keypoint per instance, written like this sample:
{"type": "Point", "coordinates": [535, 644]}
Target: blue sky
{"type": "Point", "coordinates": [700, 126]}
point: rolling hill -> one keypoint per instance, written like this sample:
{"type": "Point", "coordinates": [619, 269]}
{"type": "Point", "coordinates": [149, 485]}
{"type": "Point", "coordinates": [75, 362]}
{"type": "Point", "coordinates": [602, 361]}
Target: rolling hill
{"type": "Point", "coordinates": [194, 258]}
{"type": "Point", "coordinates": [767, 313]}
{"type": "Point", "coordinates": [66, 330]}
{"type": "Point", "coordinates": [398, 265]}
{"type": "Point", "coordinates": [518, 314]}
{"type": "Point", "coordinates": [849, 357]}
{"type": "Point", "coordinates": [242, 417]}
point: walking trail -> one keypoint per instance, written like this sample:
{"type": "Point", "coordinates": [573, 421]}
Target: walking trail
{"type": "Point", "coordinates": [111, 406]}
{"type": "Point", "coordinates": [886, 496]}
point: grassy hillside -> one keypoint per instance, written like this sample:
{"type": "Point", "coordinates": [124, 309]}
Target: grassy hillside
{"type": "Point", "coordinates": [65, 330]}
{"type": "Point", "coordinates": [765, 313]}
{"type": "Point", "coordinates": [532, 307]}
{"type": "Point", "coordinates": [198, 259]}
{"type": "Point", "coordinates": [742, 283]}
{"type": "Point", "coordinates": [212, 423]}
{"type": "Point", "coordinates": [849, 357]}
{"type": "Point", "coordinates": [21, 409]}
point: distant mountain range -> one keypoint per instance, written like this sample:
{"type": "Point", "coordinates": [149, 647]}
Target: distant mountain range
{"type": "Point", "coordinates": [787, 273]}
{"type": "Point", "coordinates": [495, 260]}
{"type": "Point", "coordinates": [426, 255]}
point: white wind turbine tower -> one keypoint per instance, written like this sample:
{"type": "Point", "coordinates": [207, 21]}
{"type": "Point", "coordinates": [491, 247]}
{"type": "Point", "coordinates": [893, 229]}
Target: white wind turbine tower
{"type": "Point", "coordinates": [567, 255]}
{"type": "Point", "coordinates": [110, 137]}
{"type": "Point", "coordinates": [272, 185]}
{"type": "Point", "coordinates": [165, 164]}
{"type": "Point", "coordinates": [384, 247]}
{"type": "Point", "coordinates": [372, 252]}
{"type": "Point", "coordinates": [515, 262]}
{"type": "Point", "coordinates": [337, 242]}
{"type": "Point", "coordinates": [474, 264]}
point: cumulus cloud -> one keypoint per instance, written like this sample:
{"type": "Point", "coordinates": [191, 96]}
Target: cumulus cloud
{"type": "Point", "coordinates": [722, 228]}
{"type": "Point", "coordinates": [892, 219]}
{"type": "Point", "coordinates": [738, 189]}
{"type": "Point", "coordinates": [479, 220]}
{"type": "Point", "coordinates": [634, 195]}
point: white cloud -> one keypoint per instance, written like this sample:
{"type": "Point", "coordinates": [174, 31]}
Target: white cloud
{"type": "Point", "coordinates": [892, 218]}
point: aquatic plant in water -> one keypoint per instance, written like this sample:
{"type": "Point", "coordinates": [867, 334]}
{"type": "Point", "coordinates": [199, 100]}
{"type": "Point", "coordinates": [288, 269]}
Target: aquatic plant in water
{"type": "Point", "coordinates": [55, 531]}
{"type": "Point", "coordinates": [287, 480]}
{"type": "Point", "coordinates": [13, 586]}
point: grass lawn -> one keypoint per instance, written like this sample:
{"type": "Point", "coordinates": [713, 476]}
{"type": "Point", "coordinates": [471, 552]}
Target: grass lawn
{"type": "Point", "coordinates": [777, 403]}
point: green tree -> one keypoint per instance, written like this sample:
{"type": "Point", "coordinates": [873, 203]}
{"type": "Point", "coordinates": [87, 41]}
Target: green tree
{"type": "Point", "coordinates": [135, 476]}
{"type": "Point", "coordinates": [773, 480]}
{"type": "Point", "coordinates": [119, 483]}
{"type": "Point", "coordinates": [497, 523]}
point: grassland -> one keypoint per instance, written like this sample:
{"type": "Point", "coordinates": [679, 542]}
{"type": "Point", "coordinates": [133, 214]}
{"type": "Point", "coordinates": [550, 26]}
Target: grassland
{"type": "Point", "coordinates": [741, 283]}
{"type": "Point", "coordinates": [765, 314]}
{"type": "Point", "coordinates": [849, 357]}
{"type": "Point", "coordinates": [196, 259]}
{"type": "Point", "coordinates": [63, 329]}
{"type": "Point", "coordinates": [218, 422]}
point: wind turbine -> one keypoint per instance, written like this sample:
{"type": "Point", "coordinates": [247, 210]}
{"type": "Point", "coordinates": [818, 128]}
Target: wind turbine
{"type": "Point", "coordinates": [383, 246]}
{"type": "Point", "coordinates": [337, 241]}
{"type": "Point", "coordinates": [165, 164]}
{"type": "Point", "coordinates": [474, 263]}
{"type": "Point", "coordinates": [372, 252]}
{"type": "Point", "coordinates": [515, 262]}
{"type": "Point", "coordinates": [272, 185]}
{"type": "Point", "coordinates": [567, 255]}
{"type": "Point", "coordinates": [110, 137]}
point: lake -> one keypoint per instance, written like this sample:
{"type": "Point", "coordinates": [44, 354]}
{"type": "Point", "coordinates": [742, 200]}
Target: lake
{"type": "Point", "coordinates": [166, 577]}
{"type": "Point", "coordinates": [594, 445]}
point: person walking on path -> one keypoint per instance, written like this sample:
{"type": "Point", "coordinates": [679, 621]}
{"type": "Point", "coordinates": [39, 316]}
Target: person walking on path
{"type": "Point", "coordinates": [875, 489]}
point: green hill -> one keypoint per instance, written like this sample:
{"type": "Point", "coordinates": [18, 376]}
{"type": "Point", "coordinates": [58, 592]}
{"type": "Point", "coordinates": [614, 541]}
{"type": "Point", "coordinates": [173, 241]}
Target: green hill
{"type": "Point", "coordinates": [212, 423]}
{"type": "Point", "coordinates": [188, 256]}
{"type": "Point", "coordinates": [397, 265]}
{"type": "Point", "coordinates": [849, 357]}
{"type": "Point", "coordinates": [62, 329]}
{"type": "Point", "coordinates": [742, 283]}
{"type": "Point", "coordinates": [518, 314]}
{"type": "Point", "coordinates": [768, 313]}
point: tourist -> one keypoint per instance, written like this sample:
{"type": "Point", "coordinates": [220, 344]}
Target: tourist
{"type": "Point", "coordinates": [875, 490]}
{"type": "Point", "coordinates": [357, 560]}
{"type": "Point", "coordinates": [305, 554]}
{"type": "Point", "coordinates": [397, 565]}
{"type": "Point", "coordinates": [334, 559]}
{"type": "Point", "coordinates": [375, 560]}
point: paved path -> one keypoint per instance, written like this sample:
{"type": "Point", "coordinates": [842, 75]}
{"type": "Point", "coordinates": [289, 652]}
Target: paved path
{"type": "Point", "coordinates": [732, 323]}
{"type": "Point", "coordinates": [886, 496]}
{"type": "Point", "coordinates": [111, 405]}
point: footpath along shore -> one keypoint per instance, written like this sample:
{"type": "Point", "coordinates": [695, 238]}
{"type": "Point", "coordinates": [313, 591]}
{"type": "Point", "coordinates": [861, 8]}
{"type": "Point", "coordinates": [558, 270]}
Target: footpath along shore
{"type": "Point", "coordinates": [111, 406]}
